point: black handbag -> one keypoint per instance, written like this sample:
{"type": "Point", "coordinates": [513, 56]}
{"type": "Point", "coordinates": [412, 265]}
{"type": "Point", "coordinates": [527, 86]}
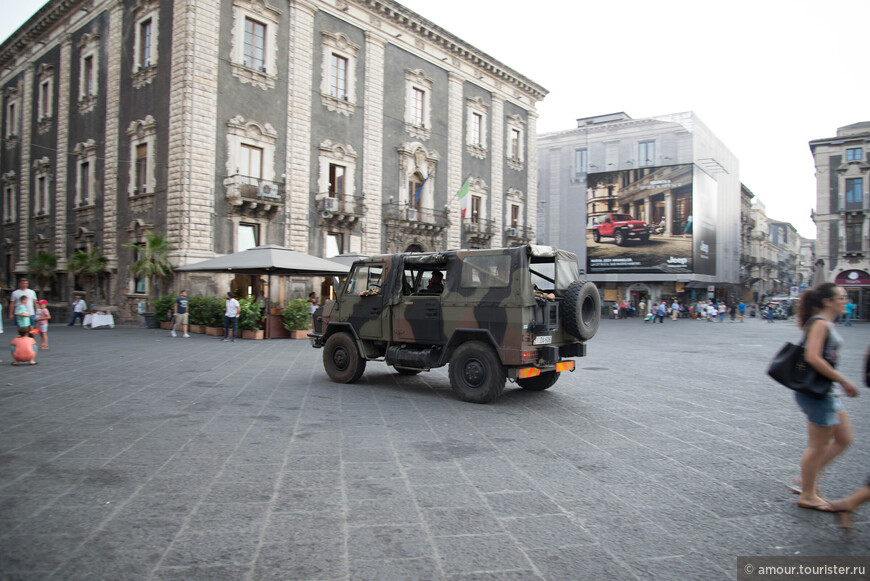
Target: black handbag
{"type": "Point", "coordinates": [791, 369]}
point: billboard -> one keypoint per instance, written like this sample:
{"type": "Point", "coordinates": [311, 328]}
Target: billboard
{"type": "Point", "coordinates": [651, 220]}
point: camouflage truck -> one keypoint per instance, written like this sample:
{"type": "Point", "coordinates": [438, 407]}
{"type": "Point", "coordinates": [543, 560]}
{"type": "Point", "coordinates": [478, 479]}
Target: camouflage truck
{"type": "Point", "coordinates": [518, 314]}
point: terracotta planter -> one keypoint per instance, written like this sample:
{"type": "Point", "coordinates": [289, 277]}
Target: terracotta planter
{"type": "Point", "coordinates": [196, 328]}
{"type": "Point", "coordinates": [252, 334]}
{"type": "Point", "coordinates": [275, 311]}
{"type": "Point", "coordinates": [165, 325]}
{"type": "Point", "coordinates": [214, 331]}
{"type": "Point", "coordinates": [299, 334]}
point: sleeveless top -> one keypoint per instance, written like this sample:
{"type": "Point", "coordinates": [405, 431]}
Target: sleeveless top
{"type": "Point", "coordinates": [831, 349]}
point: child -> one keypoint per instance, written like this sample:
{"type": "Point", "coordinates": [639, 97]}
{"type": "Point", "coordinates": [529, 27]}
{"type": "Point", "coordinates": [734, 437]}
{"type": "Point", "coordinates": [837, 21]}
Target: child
{"type": "Point", "coordinates": [42, 318]}
{"type": "Point", "coordinates": [24, 347]}
{"type": "Point", "coordinates": [22, 313]}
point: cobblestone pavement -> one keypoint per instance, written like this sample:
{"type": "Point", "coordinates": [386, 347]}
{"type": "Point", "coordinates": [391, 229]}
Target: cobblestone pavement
{"type": "Point", "coordinates": [126, 454]}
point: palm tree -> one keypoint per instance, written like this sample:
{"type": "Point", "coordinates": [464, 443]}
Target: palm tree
{"type": "Point", "coordinates": [42, 268]}
{"type": "Point", "coordinates": [89, 266]}
{"type": "Point", "coordinates": [152, 258]}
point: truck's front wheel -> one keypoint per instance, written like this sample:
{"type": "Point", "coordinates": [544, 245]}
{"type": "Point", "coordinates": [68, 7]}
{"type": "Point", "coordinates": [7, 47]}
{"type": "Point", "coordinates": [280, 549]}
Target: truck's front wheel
{"type": "Point", "coordinates": [476, 373]}
{"type": "Point", "coordinates": [342, 360]}
{"type": "Point", "coordinates": [619, 237]}
{"type": "Point", "coordinates": [540, 382]}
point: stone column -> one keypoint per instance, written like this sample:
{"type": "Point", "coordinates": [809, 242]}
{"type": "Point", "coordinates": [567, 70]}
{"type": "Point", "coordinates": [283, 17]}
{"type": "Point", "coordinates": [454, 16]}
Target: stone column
{"type": "Point", "coordinates": [373, 146]}
{"type": "Point", "coordinates": [298, 169]}
{"type": "Point", "coordinates": [110, 242]}
{"type": "Point", "coordinates": [24, 217]}
{"type": "Point", "coordinates": [669, 212]}
{"type": "Point", "coordinates": [61, 173]}
{"type": "Point", "coordinates": [190, 195]}
{"type": "Point", "coordinates": [455, 175]}
{"type": "Point", "coordinates": [532, 168]}
{"type": "Point", "coordinates": [496, 185]}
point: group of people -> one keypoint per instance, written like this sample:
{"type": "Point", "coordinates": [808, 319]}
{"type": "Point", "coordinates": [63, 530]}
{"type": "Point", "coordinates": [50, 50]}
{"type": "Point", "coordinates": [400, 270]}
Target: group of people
{"type": "Point", "coordinates": [709, 311]}
{"type": "Point", "coordinates": [180, 316]}
{"type": "Point", "coordinates": [829, 430]}
{"type": "Point", "coordinates": [30, 316]}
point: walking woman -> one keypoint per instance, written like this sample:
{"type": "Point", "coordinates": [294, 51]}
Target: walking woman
{"type": "Point", "coordinates": [828, 426]}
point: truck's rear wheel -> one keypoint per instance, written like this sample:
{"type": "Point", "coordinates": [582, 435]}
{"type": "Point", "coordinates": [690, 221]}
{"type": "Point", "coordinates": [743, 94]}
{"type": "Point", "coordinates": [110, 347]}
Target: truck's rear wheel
{"type": "Point", "coordinates": [342, 360]}
{"type": "Point", "coordinates": [476, 373]}
{"type": "Point", "coordinates": [581, 309]}
{"type": "Point", "coordinates": [540, 382]}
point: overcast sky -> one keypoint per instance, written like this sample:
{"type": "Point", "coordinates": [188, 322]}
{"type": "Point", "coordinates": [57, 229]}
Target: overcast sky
{"type": "Point", "coordinates": [766, 76]}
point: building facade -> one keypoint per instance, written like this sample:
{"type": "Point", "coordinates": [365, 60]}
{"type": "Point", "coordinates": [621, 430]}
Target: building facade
{"type": "Point", "coordinates": [327, 126]}
{"type": "Point", "coordinates": [669, 171]}
{"type": "Point", "coordinates": [842, 213]}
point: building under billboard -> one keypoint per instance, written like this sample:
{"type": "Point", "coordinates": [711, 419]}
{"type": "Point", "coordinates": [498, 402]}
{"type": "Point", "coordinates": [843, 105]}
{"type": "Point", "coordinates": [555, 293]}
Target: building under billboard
{"type": "Point", "coordinates": [660, 199]}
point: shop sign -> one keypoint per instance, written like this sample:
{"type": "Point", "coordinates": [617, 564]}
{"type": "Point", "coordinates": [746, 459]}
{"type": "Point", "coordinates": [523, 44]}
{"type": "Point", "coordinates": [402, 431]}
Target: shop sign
{"type": "Point", "coordinates": [853, 278]}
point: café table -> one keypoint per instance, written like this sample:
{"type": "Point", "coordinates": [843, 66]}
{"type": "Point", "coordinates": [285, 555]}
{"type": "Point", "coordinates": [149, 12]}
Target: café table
{"type": "Point", "coordinates": [94, 320]}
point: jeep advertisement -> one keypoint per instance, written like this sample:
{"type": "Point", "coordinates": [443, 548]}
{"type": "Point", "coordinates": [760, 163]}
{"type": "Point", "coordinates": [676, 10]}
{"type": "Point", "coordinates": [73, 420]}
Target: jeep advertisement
{"type": "Point", "coordinates": [650, 220]}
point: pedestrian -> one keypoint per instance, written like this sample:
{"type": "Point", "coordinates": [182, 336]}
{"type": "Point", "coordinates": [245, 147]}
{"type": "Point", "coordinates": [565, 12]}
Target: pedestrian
{"type": "Point", "coordinates": [850, 310]}
{"type": "Point", "coordinates": [43, 316]}
{"type": "Point", "coordinates": [313, 303]}
{"type": "Point", "coordinates": [79, 307]}
{"type": "Point", "coordinates": [722, 308]}
{"type": "Point", "coordinates": [615, 310]}
{"type": "Point", "coordinates": [770, 312]}
{"type": "Point", "coordinates": [663, 310]}
{"type": "Point", "coordinates": [231, 317]}
{"type": "Point", "coordinates": [22, 291]}
{"type": "Point", "coordinates": [828, 426]}
{"type": "Point", "coordinates": [24, 312]}
{"type": "Point", "coordinates": [741, 308]}
{"type": "Point", "coordinates": [179, 314]}
{"type": "Point", "coordinates": [24, 347]}
{"type": "Point", "coordinates": [675, 310]}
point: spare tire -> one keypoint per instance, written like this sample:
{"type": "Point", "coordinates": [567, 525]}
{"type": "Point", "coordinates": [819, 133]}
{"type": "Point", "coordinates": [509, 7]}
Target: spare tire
{"type": "Point", "coordinates": [581, 309]}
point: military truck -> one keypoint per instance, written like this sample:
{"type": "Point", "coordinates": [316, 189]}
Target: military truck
{"type": "Point", "coordinates": [520, 314]}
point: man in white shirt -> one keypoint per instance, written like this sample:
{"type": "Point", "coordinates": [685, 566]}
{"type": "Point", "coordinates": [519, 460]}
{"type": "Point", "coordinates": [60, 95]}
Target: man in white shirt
{"type": "Point", "coordinates": [22, 291]}
{"type": "Point", "coordinates": [231, 317]}
{"type": "Point", "coordinates": [79, 306]}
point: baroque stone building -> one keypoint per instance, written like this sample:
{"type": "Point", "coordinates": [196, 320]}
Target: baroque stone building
{"type": "Point", "coordinates": [842, 213]}
{"type": "Point", "coordinates": [327, 126]}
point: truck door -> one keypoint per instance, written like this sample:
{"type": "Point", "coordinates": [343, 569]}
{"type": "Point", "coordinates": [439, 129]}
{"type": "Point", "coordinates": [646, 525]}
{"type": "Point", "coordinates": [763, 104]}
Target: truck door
{"type": "Point", "coordinates": [417, 317]}
{"type": "Point", "coordinates": [363, 303]}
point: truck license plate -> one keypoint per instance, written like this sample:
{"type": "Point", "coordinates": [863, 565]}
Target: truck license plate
{"type": "Point", "coordinates": [543, 340]}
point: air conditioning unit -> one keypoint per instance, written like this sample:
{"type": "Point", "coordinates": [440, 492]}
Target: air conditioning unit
{"type": "Point", "coordinates": [411, 214]}
{"type": "Point", "coordinates": [511, 232]}
{"type": "Point", "coordinates": [330, 204]}
{"type": "Point", "coordinates": [268, 190]}
{"type": "Point", "coordinates": [472, 227]}
{"type": "Point", "coordinates": [262, 69]}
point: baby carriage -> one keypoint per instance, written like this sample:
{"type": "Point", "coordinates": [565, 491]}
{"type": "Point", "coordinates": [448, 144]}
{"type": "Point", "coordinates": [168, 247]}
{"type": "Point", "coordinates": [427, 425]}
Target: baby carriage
{"type": "Point", "coordinates": [648, 318]}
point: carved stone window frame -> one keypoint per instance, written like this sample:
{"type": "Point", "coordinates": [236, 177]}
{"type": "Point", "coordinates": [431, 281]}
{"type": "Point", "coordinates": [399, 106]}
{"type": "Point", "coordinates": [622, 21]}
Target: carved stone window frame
{"type": "Point", "coordinates": [415, 158]}
{"type": "Point", "coordinates": [476, 105]}
{"type": "Point", "coordinates": [515, 122]}
{"type": "Point", "coordinates": [476, 187]}
{"type": "Point", "coordinates": [255, 134]}
{"type": "Point", "coordinates": [89, 47]}
{"type": "Point", "coordinates": [514, 197]}
{"type": "Point", "coordinates": [417, 79]}
{"type": "Point", "coordinates": [144, 73]}
{"type": "Point", "coordinates": [269, 16]}
{"type": "Point", "coordinates": [86, 153]}
{"type": "Point", "coordinates": [9, 183]}
{"type": "Point", "coordinates": [12, 114]}
{"type": "Point", "coordinates": [338, 154]}
{"type": "Point", "coordinates": [45, 97]}
{"type": "Point", "coordinates": [338, 44]}
{"type": "Point", "coordinates": [42, 196]}
{"type": "Point", "coordinates": [142, 131]}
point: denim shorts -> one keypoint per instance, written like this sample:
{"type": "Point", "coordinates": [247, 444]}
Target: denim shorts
{"type": "Point", "coordinates": [822, 412]}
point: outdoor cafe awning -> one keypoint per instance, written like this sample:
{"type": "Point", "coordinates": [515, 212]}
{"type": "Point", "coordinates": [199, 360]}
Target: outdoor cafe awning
{"type": "Point", "coordinates": [267, 260]}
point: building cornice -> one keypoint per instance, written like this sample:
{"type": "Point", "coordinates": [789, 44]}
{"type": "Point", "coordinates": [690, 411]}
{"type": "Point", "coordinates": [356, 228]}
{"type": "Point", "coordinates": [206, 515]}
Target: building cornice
{"type": "Point", "coordinates": [37, 25]}
{"type": "Point", "coordinates": [415, 24]}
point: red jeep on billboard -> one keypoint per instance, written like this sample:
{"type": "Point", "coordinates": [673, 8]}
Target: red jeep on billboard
{"type": "Point", "coordinates": [620, 227]}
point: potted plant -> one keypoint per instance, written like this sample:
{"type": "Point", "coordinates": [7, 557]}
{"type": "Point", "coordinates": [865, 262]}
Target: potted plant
{"type": "Point", "coordinates": [197, 314]}
{"type": "Point", "coordinates": [251, 318]}
{"type": "Point", "coordinates": [295, 316]}
{"type": "Point", "coordinates": [152, 263]}
{"type": "Point", "coordinates": [213, 310]}
{"type": "Point", "coordinates": [163, 308]}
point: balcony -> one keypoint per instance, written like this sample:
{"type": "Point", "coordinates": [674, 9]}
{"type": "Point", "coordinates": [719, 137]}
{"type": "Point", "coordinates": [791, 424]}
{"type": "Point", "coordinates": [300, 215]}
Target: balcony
{"type": "Point", "coordinates": [405, 224]}
{"type": "Point", "coordinates": [517, 236]}
{"type": "Point", "coordinates": [477, 232]}
{"type": "Point", "coordinates": [340, 211]}
{"type": "Point", "coordinates": [252, 196]}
